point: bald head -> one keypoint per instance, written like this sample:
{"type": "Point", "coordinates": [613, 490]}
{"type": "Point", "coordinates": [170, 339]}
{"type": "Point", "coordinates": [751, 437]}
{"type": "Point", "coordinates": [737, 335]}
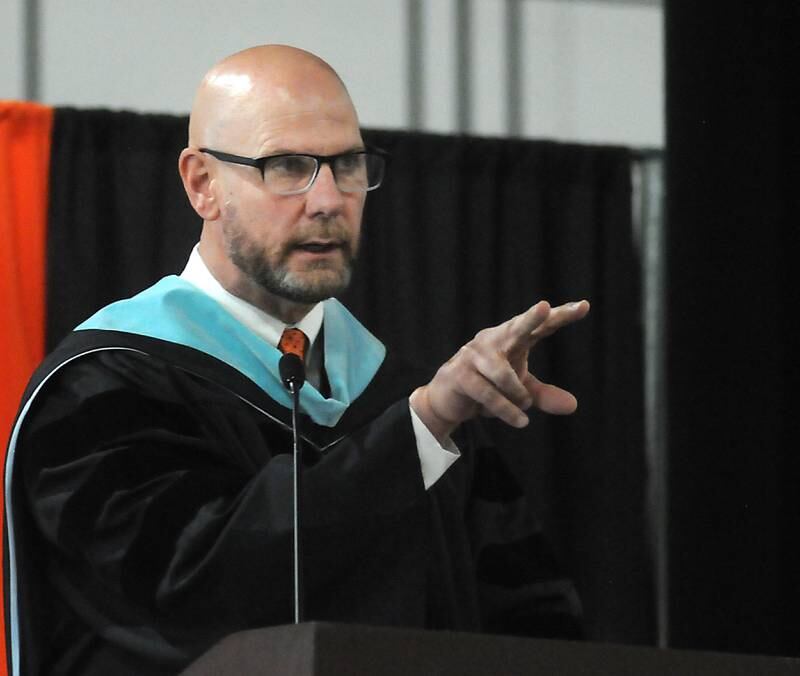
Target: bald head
{"type": "Point", "coordinates": [262, 84]}
{"type": "Point", "coordinates": [280, 252]}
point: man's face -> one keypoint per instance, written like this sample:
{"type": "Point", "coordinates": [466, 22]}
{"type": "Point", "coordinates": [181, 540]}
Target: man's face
{"type": "Point", "coordinates": [296, 247]}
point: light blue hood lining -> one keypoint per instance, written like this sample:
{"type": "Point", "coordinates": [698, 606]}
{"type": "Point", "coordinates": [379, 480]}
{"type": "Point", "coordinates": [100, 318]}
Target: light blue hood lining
{"type": "Point", "coordinates": [176, 311]}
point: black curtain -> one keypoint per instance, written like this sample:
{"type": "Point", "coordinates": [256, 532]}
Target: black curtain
{"type": "Point", "coordinates": [732, 133]}
{"type": "Point", "coordinates": [464, 233]}
{"type": "Point", "coordinates": [118, 216]}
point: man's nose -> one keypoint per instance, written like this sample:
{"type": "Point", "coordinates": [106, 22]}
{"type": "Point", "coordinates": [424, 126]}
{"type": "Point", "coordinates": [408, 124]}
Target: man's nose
{"type": "Point", "coordinates": [324, 196]}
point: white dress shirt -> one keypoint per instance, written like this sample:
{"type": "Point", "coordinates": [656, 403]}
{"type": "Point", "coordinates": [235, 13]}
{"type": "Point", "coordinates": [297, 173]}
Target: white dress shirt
{"type": "Point", "coordinates": [434, 458]}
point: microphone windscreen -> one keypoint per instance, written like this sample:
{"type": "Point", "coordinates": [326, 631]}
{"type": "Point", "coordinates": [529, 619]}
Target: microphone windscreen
{"type": "Point", "coordinates": [292, 370]}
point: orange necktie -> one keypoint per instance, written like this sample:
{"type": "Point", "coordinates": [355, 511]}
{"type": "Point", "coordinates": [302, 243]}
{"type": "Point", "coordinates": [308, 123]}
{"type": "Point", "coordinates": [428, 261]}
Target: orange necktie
{"type": "Point", "coordinates": [294, 341]}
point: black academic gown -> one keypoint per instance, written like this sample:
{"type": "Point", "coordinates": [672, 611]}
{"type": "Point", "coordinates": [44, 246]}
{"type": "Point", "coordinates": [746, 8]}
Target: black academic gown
{"type": "Point", "coordinates": [150, 510]}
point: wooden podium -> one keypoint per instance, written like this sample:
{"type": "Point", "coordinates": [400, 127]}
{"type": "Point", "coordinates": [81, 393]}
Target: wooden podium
{"type": "Point", "coordinates": [319, 649]}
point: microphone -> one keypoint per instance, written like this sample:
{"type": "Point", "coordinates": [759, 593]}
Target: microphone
{"type": "Point", "coordinates": [292, 371]}
{"type": "Point", "coordinates": [293, 374]}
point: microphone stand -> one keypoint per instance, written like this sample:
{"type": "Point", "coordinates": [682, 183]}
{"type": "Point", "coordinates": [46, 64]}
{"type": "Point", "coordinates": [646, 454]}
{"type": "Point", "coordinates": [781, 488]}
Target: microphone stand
{"type": "Point", "coordinates": [292, 372]}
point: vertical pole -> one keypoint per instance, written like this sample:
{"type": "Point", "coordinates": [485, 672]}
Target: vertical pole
{"type": "Point", "coordinates": [464, 65]}
{"type": "Point", "coordinates": [30, 59]}
{"type": "Point", "coordinates": [514, 86]}
{"type": "Point", "coordinates": [415, 63]}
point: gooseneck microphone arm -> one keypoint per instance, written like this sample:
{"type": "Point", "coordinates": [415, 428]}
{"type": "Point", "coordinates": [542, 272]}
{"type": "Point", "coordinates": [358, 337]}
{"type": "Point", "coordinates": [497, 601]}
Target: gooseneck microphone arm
{"type": "Point", "coordinates": [292, 371]}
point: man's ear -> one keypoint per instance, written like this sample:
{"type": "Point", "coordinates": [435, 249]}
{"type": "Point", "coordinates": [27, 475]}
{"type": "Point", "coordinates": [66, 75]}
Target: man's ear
{"type": "Point", "coordinates": [197, 181]}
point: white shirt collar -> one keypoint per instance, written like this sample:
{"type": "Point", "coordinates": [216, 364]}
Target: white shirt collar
{"type": "Point", "coordinates": [262, 324]}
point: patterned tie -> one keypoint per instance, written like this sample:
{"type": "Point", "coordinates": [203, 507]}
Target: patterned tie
{"type": "Point", "coordinates": [294, 341]}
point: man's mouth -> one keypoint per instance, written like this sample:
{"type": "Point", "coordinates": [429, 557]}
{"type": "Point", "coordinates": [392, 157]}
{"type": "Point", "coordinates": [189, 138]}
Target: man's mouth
{"type": "Point", "coordinates": [320, 246]}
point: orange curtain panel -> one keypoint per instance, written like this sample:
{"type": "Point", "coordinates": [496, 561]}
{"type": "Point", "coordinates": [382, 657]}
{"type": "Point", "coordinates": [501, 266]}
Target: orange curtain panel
{"type": "Point", "coordinates": [25, 130]}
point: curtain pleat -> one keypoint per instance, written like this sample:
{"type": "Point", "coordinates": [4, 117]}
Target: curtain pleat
{"type": "Point", "coordinates": [464, 233]}
{"type": "Point", "coordinates": [25, 132]}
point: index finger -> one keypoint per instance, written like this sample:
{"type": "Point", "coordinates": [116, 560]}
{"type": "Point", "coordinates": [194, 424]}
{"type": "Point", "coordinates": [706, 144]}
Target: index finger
{"type": "Point", "coordinates": [558, 317]}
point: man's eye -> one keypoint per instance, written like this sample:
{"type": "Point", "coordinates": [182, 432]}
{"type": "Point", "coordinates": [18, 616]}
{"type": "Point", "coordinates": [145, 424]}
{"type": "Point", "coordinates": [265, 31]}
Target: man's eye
{"type": "Point", "coordinates": [291, 165]}
{"type": "Point", "coordinates": [350, 163]}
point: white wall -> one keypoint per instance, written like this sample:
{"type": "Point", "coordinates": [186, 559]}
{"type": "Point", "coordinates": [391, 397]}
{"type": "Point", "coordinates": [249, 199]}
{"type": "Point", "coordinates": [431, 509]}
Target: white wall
{"type": "Point", "coordinates": [592, 70]}
{"type": "Point", "coordinates": [12, 85]}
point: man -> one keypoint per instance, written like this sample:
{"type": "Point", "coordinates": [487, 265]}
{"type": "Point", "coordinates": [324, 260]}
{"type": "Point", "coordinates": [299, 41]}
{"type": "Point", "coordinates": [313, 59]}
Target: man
{"type": "Point", "coordinates": [149, 485]}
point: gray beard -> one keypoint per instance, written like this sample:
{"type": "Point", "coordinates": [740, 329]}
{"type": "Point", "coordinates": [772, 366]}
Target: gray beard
{"type": "Point", "coordinates": [278, 280]}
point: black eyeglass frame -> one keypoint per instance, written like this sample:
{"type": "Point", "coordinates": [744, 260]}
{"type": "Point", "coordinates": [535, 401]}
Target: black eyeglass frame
{"type": "Point", "coordinates": [261, 162]}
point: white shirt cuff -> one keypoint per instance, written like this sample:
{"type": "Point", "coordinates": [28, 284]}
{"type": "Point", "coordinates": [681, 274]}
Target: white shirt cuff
{"type": "Point", "coordinates": [434, 459]}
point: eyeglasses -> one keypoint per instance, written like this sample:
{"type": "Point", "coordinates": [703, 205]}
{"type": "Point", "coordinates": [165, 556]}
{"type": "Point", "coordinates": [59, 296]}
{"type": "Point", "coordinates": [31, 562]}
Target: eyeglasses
{"type": "Point", "coordinates": [295, 173]}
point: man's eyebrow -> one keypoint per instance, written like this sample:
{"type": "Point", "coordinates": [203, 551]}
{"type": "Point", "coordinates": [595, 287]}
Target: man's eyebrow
{"type": "Point", "coordinates": [359, 147]}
